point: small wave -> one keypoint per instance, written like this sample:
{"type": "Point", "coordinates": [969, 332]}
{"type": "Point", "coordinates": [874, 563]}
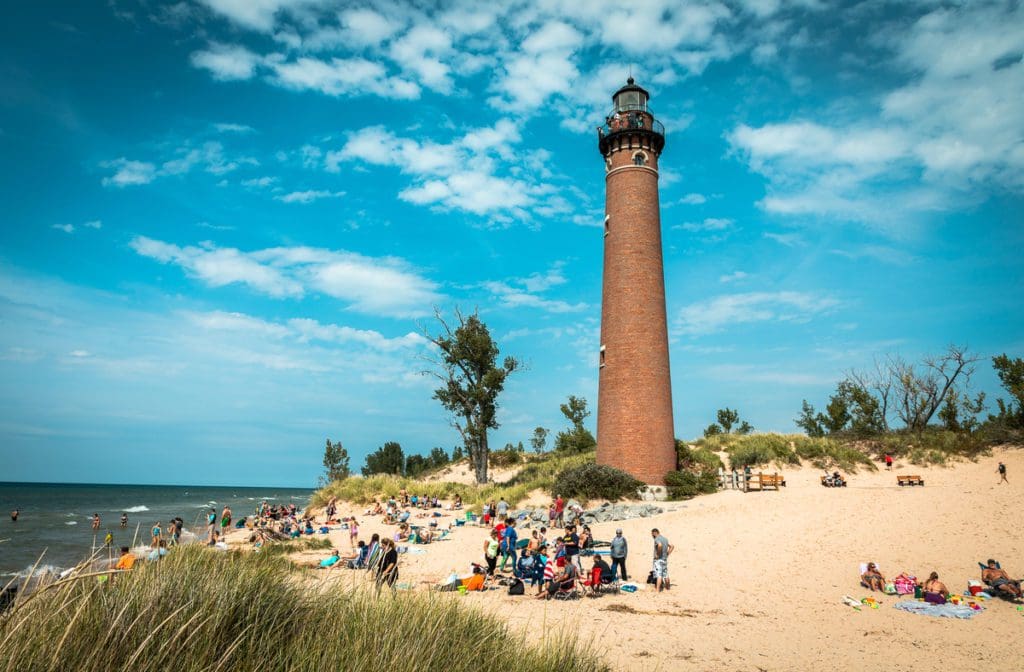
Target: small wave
{"type": "Point", "coordinates": [136, 509]}
{"type": "Point", "coordinates": [41, 570]}
{"type": "Point", "coordinates": [71, 522]}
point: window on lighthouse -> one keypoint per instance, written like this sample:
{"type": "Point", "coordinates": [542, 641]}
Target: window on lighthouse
{"type": "Point", "coordinates": [640, 159]}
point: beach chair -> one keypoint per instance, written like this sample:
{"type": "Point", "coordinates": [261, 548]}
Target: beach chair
{"type": "Point", "coordinates": [567, 591]}
{"type": "Point", "coordinates": [594, 582]}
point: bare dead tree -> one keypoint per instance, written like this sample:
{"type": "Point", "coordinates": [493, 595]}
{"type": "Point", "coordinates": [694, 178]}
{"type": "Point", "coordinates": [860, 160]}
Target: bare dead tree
{"type": "Point", "coordinates": [919, 392]}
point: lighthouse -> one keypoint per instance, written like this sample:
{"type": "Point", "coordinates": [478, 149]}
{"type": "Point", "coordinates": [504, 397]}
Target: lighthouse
{"type": "Point", "coordinates": [635, 431]}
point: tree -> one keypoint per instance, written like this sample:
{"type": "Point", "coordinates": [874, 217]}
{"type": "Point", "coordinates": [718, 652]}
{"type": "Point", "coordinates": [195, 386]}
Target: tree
{"type": "Point", "coordinates": [578, 439]}
{"type": "Point", "coordinates": [809, 422]}
{"type": "Point", "coordinates": [745, 428]}
{"type": "Point", "coordinates": [575, 411]}
{"type": "Point", "coordinates": [727, 417]}
{"type": "Point", "coordinates": [457, 453]}
{"type": "Point", "coordinates": [415, 465]}
{"type": "Point", "coordinates": [1011, 376]}
{"type": "Point", "coordinates": [335, 462]}
{"type": "Point", "coordinates": [388, 459]}
{"type": "Point", "coordinates": [712, 430]}
{"type": "Point", "coordinates": [539, 440]}
{"type": "Point", "coordinates": [471, 380]}
{"type": "Point", "coordinates": [919, 392]}
{"type": "Point", "coordinates": [438, 458]}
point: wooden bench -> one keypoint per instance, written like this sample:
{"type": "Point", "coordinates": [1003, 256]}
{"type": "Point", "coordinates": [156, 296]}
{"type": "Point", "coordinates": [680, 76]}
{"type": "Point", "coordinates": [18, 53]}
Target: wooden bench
{"type": "Point", "coordinates": [842, 481]}
{"type": "Point", "coordinates": [909, 480]}
{"type": "Point", "coordinates": [764, 481]}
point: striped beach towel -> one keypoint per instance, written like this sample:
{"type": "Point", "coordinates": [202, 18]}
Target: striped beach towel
{"type": "Point", "coordinates": [549, 570]}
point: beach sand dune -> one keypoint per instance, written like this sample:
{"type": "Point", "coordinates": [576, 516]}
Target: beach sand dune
{"type": "Point", "coordinates": [758, 578]}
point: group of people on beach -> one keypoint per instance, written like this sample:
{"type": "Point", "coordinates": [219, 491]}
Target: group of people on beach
{"type": "Point", "coordinates": [994, 579]}
{"type": "Point", "coordinates": [550, 562]}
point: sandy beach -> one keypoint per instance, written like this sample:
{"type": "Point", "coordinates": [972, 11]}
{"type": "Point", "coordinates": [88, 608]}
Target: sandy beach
{"type": "Point", "coordinates": [758, 578]}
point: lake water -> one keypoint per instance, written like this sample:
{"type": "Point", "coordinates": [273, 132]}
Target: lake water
{"type": "Point", "coordinates": [56, 518]}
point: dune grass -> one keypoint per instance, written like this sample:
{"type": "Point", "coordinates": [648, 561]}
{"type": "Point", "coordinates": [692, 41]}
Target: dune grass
{"type": "Point", "coordinates": [202, 610]}
{"type": "Point", "coordinates": [782, 450]}
{"type": "Point", "coordinates": [537, 472]}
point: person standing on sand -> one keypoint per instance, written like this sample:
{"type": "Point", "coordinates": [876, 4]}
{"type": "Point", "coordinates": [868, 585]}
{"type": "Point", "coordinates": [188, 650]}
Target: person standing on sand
{"type": "Point", "coordinates": [662, 549]}
{"type": "Point", "coordinates": [388, 565]}
{"type": "Point", "coordinates": [225, 521]}
{"type": "Point", "coordinates": [353, 531]}
{"type": "Point", "coordinates": [211, 523]}
{"type": "Point", "coordinates": [619, 550]}
{"type": "Point", "coordinates": [502, 509]}
{"type": "Point", "coordinates": [888, 462]}
{"type": "Point", "coordinates": [157, 535]}
{"type": "Point", "coordinates": [1001, 470]}
{"type": "Point", "coordinates": [560, 511]}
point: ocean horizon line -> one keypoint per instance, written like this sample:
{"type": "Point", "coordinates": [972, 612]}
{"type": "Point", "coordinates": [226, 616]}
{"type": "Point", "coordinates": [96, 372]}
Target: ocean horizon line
{"type": "Point", "coordinates": [154, 485]}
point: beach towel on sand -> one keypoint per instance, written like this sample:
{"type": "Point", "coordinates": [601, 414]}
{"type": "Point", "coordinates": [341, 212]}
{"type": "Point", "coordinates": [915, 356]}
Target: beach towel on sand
{"type": "Point", "coordinates": [938, 610]}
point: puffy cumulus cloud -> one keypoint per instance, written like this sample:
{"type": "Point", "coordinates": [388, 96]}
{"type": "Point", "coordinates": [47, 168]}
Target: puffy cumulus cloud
{"type": "Point", "coordinates": [379, 286]}
{"type": "Point", "coordinates": [338, 76]}
{"type": "Point", "coordinates": [226, 62]}
{"type": "Point", "coordinates": [532, 52]}
{"type": "Point", "coordinates": [128, 172]}
{"type": "Point", "coordinates": [459, 175]}
{"type": "Point", "coordinates": [952, 123]}
{"type": "Point", "coordinates": [716, 314]}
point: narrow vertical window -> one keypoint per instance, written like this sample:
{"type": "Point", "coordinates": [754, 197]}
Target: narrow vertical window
{"type": "Point", "coordinates": [607, 218]}
{"type": "Point", "coordinates": [602, 360]}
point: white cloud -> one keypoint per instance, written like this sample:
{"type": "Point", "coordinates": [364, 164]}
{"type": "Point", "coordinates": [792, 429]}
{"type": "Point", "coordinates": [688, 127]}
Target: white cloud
{"type": "Point", "coordinates": [693, 199]}
{"type": "Point", "coordinates": [771, 375]}
{"type": "Point", "coordinates": [234, 128]}
{"type": "Point", "coordinates": [380, 286]}
{"type": "Point", "coordinates": [712, 315]}
{"type": "Point", "coordinates": [93, 224]}
{"type": "Point", "coordinates": [525, 292]}
{"type": "Point", "coordinates": [787, 239]}
{"type": "Point", "coordinates": [226, 62]}
{"type": "Point", "coordinates": [366, 27]}
{"type": "Point", "coordinates": [308, 196]}
{"type": "Point", "coordinates": [339, 76]}
{"type": "Point", "coordinates": [458, 175]}
{"type": "Point", "coordinates": [66, 228]}
{"type": "Point", "coordinates": [253, 14]}
{"type": "Point", "coordinates": [259, 182]}
{"type": "Point", "coordinates": [733, 277]}
{"type": "Point", "coordinates": [709, 224]}
{"type": "Point", "coordinates": [128, 172]}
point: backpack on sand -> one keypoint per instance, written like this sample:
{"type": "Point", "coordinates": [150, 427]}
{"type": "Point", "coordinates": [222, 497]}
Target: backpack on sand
{"type": "Point", "coordinates": [517, 588]}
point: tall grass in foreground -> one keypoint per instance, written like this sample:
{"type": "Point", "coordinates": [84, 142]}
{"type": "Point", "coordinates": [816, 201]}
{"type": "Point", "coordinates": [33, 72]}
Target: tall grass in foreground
{"type": "Point", "coordinates": [200, 610]}
{"type": "Point", "coordinates": [537, 473]}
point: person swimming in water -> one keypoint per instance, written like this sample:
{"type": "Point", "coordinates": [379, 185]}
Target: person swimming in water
{"type": "Point", "coordinates": [14, 515]}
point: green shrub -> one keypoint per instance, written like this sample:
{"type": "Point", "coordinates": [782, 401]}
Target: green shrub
{"type": "Point", "coordinates": [758, 449]}
{"type": "Point", "coordinates": [203, 610]}
{"type": "Point", "coordinates": [689, 484]}
{"type": "Point", "coordinates": [699, 458]}
{"type": "Point", "coordinates": [596, 481]}
{"type": "Point", "coordinates": [504, 458]}
{"type": "Point", "coordinates": [828, 454]}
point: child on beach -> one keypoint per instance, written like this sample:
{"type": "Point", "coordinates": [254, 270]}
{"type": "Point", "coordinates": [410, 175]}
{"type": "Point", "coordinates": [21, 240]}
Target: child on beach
{"type": "Point", "coordinates": [353, 531]}
{"type": "Point", "coordinates": [157, 535]}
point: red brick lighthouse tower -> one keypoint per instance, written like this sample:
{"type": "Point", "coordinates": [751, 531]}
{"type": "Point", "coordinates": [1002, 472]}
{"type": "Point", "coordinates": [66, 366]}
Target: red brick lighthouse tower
{"type": "Point", "coordinates": [634, 408]}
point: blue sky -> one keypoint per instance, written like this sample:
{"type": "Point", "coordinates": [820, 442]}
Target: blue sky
{"type": "Point", "coordinates": [226, 222]}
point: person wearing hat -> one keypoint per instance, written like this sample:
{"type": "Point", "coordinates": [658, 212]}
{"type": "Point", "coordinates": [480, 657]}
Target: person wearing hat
{"type": "Point", "coordinates": [619, 551]}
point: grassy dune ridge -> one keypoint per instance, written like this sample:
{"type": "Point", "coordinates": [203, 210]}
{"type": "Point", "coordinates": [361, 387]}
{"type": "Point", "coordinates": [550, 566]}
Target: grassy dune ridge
{"type": "Point", "coordinates": [536, 472]}
{"type": "Point", "coordinates": [203, 610]}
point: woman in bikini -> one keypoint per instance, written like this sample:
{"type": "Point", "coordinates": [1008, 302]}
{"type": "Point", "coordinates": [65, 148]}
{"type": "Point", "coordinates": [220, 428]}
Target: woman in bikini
{"type": "Point", "coordinates": [873, 578]}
